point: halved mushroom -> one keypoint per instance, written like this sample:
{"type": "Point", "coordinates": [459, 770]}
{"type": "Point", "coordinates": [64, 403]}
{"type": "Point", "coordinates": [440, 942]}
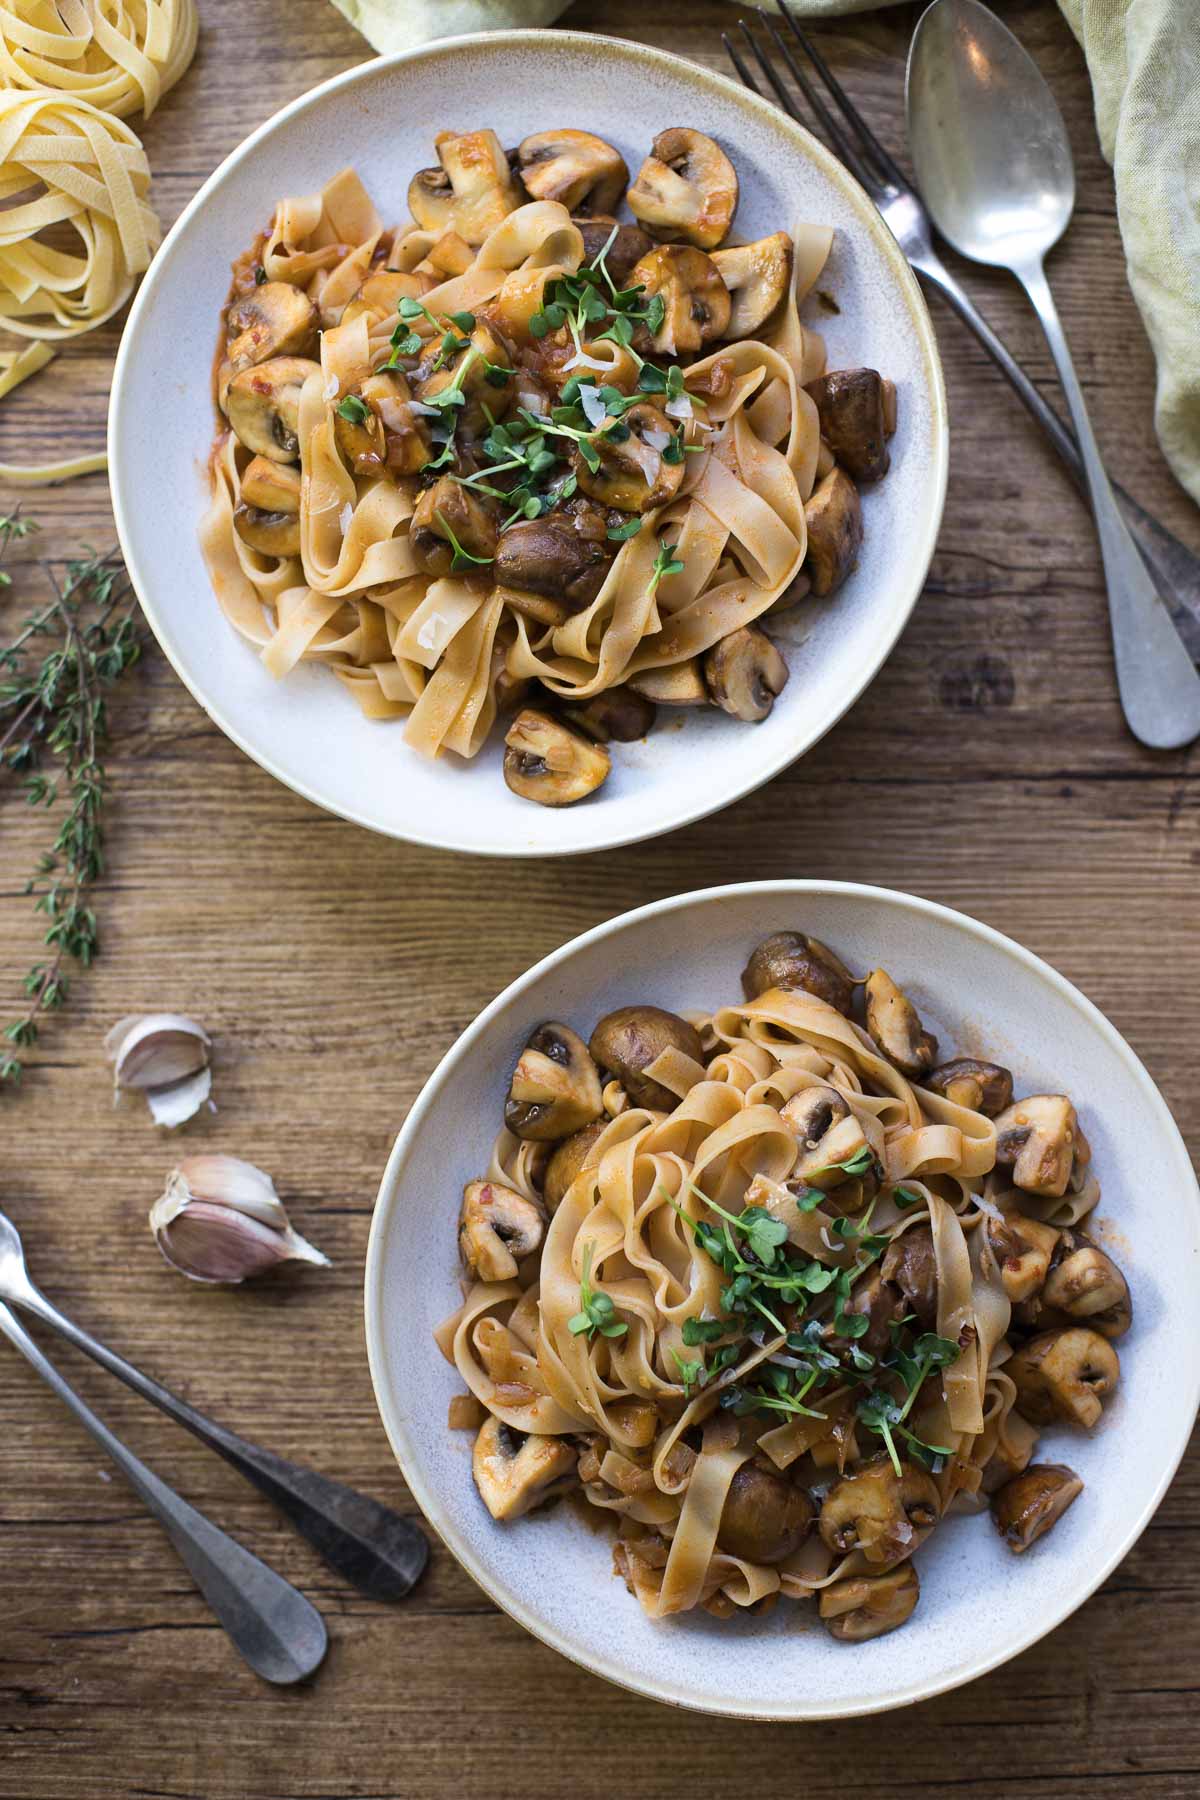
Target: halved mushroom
{"type": "Point", "coordinates": [868, 1606]}
{"type": "Point", "coordinates": [1064, 1375]}
{"type": "Point", "coordinates": [686, 188]}
{"type": "Point", "coordinates": [383, 290]}
{"type": "Point", "coordinates": [743, 673]}
{"type": "Point", "coordinates": [812, 1113]}
{"type": "Point", "coordinates": [275, 319]}
{"type": "Point", "coordinates": [553, 556]}
{"type": "Point", "coordinates": [470, 193]}
{"type": "Point", "coordinates": [1022, 1248]}
{"type": "Point", "coordinates": [497, 1227]}
{"type": "Point", "coordinates": [833, 514]}
{"type": "Point", "coordinates": [576, 168]}
{"type": "Point", "coordinates": [358, 431]}
{"type": "Point", "coordinates": [881, 1303]}
{"type": "Point", "coordinates": [1026, 1508]}
{"type": "Point", "coordinates": [910, 1265]}
{"type": "Point", "coordinates": [823, 1168]}
{"type": "Point", "coordinates": [470, 372]}
{"type": "Point", "coordinates": [1037, 1139]}
{"type": "Point", "coordinates": [895, 1025]}
{"type": "Point", "coordinates": [633, 475]}
{"type": "Point", "coordinates": [555, 1087]}
{"type": "Point", "coordinates": [765, 1517]}
{"type": "Point", "coordinates": [515, 1472]}
{"type": "Point", "coordinates": [757, 276]}
{"type": "Point", "coordinates": [696, 302]}
{"type": "Point", "coordinates": [625, 249]}
{"type": "Point", "coordinates": [271, 486]}
{"type": "Point", "coordinates": [263, 406]}
{"type": "Point", "coordinates": [678, 684]}
{"type": "Point", "coordinates": [567, 1161]}
{"type": "Point", "coordinates": [446, 510]}
{"type": "Point", "coordinates": [791, 960]}
{"type": "Point", "coordinates": [983, 1087]}
{"type": "Point", "coordinates": [850, 406]}
{"type": "Point", "coordinates": [627, 1041]}
{"type": "Point", "coordinates": [1085, 1283]}
{"type": "Point", "coordinates": [547, 762]}
{"type": "Point", "coordinates": [882, 1515]}
{"type": "Point", "coordinates": [618, 714]}
{"type": "Point", "coordinates": [271, 533]}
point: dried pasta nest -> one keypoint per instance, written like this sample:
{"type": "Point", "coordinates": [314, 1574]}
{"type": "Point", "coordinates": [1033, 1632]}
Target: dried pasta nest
{"type": "Point", "coordinates": [118, 55]}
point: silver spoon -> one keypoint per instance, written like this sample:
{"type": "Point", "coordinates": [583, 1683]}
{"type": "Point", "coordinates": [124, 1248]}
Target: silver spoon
{"type": "Point", "coordinates": [368, 1544]}
{"type": "Point", "coordinates": [280, 1633]}
{"type": "Point", "coordinates": [994, 165]}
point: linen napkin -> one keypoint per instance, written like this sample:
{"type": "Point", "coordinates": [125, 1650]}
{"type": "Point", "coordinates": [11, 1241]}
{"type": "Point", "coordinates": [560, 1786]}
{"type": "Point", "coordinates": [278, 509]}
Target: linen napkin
{"type": "Point", "coordinates": [1144, 60]}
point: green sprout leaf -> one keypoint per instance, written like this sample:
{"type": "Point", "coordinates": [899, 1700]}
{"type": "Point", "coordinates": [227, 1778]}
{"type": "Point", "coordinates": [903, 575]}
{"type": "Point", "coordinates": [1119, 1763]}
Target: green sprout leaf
{"type": "Point", "coordinates": [354, 410]}
{"type": "Point", "coordinates": [596, 1309]}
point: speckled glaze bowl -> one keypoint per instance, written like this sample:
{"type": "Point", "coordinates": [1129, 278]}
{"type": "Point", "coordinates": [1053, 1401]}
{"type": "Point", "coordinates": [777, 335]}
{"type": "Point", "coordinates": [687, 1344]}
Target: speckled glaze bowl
{"type": "Point", "coordinates": [382, 117]}
{"type": "Point", "coordinates": [980, 1605]}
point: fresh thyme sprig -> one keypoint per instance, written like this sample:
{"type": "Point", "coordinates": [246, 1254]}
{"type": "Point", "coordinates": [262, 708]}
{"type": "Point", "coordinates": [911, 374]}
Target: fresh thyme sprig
{"type": "Point", "coordinates": [55, 673]}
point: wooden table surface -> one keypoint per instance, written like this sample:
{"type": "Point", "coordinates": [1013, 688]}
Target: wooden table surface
{"type": "Point", "coordinates": [987, 767]}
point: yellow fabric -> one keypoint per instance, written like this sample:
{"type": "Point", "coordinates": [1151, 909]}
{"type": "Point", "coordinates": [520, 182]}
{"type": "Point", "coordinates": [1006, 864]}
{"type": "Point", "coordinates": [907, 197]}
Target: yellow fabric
{"type": "Point", "coordinates": [1144, 61]}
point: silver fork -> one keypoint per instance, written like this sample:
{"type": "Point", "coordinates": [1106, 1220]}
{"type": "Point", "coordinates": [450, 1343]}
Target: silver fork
{"type": "Point", "coordinates": [1174, 567]}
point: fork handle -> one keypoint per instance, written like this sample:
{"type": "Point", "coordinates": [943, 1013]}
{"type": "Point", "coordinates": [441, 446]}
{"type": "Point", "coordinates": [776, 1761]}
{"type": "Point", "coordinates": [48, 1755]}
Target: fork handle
{"type": "Point", "coordinates": [1175, 569]}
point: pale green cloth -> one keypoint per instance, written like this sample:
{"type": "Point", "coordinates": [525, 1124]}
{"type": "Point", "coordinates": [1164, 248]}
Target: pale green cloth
{"type": "Point", "coordinates": [1144, 61]}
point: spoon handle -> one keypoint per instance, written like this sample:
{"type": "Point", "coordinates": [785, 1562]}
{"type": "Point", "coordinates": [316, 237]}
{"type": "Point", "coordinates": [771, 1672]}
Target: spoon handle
{"type": "Point", "coordinates": [280, 1633]}
{"type": "Point", "coordinates": [1158, 682]}
{"type": "Point", "coordinates": [369, 1545]}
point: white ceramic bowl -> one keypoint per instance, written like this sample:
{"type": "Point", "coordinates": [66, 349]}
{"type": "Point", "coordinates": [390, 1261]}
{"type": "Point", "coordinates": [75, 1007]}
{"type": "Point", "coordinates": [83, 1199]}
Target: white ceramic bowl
{"type": "Point", "coordinates": [980, 1605]}
{"type": "Point", "coordinates": [382, 117]}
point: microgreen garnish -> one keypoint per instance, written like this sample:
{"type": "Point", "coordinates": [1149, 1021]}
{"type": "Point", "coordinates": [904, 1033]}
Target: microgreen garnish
{"type": "Point", "coordinates": [905, 1197]}
{"type": "Point", "coordinates": [665, 563]}
{"type": "Point", "coordinates": [596, 1308]}
{"type": "Point", "coordinates": [703, 1331]}
{"type": "Point", "coordinates": [621, 534]}
{"type": "Point", "coordinates": [354, 410]}
{"type": "Point", "coordinates": [462, 559]}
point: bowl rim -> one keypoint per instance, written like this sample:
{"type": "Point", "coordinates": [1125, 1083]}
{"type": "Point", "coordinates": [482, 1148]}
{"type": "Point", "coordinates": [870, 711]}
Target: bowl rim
{"type": "Point", "coordinates": [393, 1416]}
{"type": "Point", "coordinates": [692, 801]}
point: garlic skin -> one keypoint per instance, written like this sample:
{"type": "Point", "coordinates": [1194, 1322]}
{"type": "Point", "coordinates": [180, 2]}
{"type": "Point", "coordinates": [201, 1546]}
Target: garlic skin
{"type": "Point", "coordinates": [165, 1056]}
{"type": "Point", "coordinates": [220, 1220]}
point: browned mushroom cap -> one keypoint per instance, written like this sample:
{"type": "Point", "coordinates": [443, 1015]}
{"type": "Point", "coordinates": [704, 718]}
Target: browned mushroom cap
{"type": "Point", "coordinates": [824, 1166]}
{"type": "Point", "coordinates": [382, 291]}
{"type": "Point", "coordinates": [275, 319]}
{"type": "Point", "coordinates": [497, 1227]}
{"type": "Point", "coordinates": [765, 1518]}
{"type": "Point", "coordinates": [547, 762]}
{"type": "Point", "coordinates": [628, 246]}
{"type": "Point", "coordinates": [1064, 1375]}
{"type": "Point", "coordinates": [627, 1041]}
{"type": "Point", "coordinates": [868, 1606]}
{"type": "Point", "coordinates": [567, 1160]}
{"type": "Point", "coordinates": [575, 168]}
{"type": "Point", "coordinates": [895, 1025]}
{"type": "Point", "coordinates": [791, 960]}
{"type": "Point", "coordinates": [679, 684]}
{"type": "Point", "coordinates": [833, 514]}
{"type": "Point", "coordinates": [1024, 1509]}
{"type": "Point", "coordinates": [633, 475]}
{"type": "Point", "coordinates": [812, 1114]}
{"type": "Point", "coordinates": [983, 1087]}
{"type": "Point", "coordinates": [446, 511]}
{"type": "Point", "coordinates": [686, 188]}
{"type": "Point", "coordinates": [271, 486]}
{"type": "Point", "coordinates": [618, 714]}
{"type": "Point", "coordinates": [1037, 1138]}
{"type": "Point", "coordinates": [271, 533]}
{"type": "Point", "coordinates": [487, 354]}
{"type": "Point", "coordinates": [1022, 1248]}
{"type": "Point", "coordinates": [882, 1515]}
{"type": "Point", "coordinates": [1085, 1284]}
{"type": "Point", "coordinates": [555, 1088]}
{"type": "Point", "coordinates": [470, 193]}
{"type": "Point", "coordinates": [263, 406]}
{"type": "Point", "coordinates": [757, 276]}
{"type": "Point", "coordinates": [909, 1264]}
{"type": "Point", "coordinates": [850, 406]}
{"type": "Point", "coordinates": [882, 1305]}
{"type": "Point", "coordinates": [743, 673]}
{"type": "Point", "coordinates": [515, 1472]}
{"type": "Point", "coordinates": [553, 556]}
{"type": "Point", "coordinates": [696, 303]}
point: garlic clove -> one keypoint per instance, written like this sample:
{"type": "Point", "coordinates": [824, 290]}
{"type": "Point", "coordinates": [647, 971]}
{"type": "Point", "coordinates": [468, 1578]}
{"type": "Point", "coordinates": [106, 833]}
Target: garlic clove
{"type": "Point", "coordinates": [176, 1104]}
{"type": "Point", "coordinates": [230, 1182]}
{"type": "Point", "coordinates": [151, 1050]}
{"type": "Point", "coordinates": [221, 1220]}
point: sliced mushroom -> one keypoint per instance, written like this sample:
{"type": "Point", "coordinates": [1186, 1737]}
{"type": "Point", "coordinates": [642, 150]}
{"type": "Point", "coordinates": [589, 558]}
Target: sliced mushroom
{"type": "Point", "coordinates": [627, 1041]}
{"type": "Point", "coordinates": [271, 533]}
{"type": "Point", "coordinates": [910, 1265]}
{"type": "Point", "coordinates": [1064, 1375]}
{"type": "Point", "coordinates": [383, 290]}
{"type": "Point", "coordinates": [553, 556]}
{"type": "Point", "coordinates": [575, 168]}
{"type": "Point", "coordinates": [271, 486]}
{"type": "Point", "coordinates": [1022, 1248]}
{"type": "Point", "coordinates": [555, 1087]}
{"type": "Point", "coordinates": [757, 276]}
{"type": "Point", "coordinates": [359, 435]}
{"type": "Point", "coordinates": [1085, 1284]}
{"type": "Point", "coordinates": [263, 406]}
{"type": "Point", "coordinates": [472, 191]}
{"type": "Point", "coordinates": [497, 1227]}
{"type": "Point", "coordinates": [617, 715]}
{"type": "Point", "coordinates": [514, 1472]}
{"type": "Point", "coordinates": [851, 409]}
{"type": "Point", "coordinates": [833, 514]}
{"type": "Point", "coordinates": [868, 1606]}
{"type": "Point", "coordinates": [470, 371]}
{"type": "Point", "coordinates": [743, 673]}
{"type": "Point", "coordinates": [882, 1305]}
{"type": "Point", "coordinates": [895, 1025]}
{"type": "Point", "coordinates": [765, 1517]}
{"type": "Point", "coordinates": [822, 1167]}
{"type": "Point", "coordinates": [547, 762]}
{"type": "Point", "coordinates": [686, 188]}
{"type": "Point", "coordinates": [628, 247]}
{"type": "Point", "coordinates": [791, 960]}
{"type": "Point", "coordinates": [1026, 1508]}
{"type": "Point", "coordinates": [450, 508]}
{"type": "Point", "coordinates": [882, 1515]}
{"type": "Point", "coordinates": [275, 319]}
{"type": "Point", "coordinates": [812, 1114]}
{"type": "Point", "coordinates": [983, 1087]}
{"type": "Point", "coordinates": [633, 475]}
{"type": "Point", "coordinates": [696, 303]}
{"type": "Point", "coordinates": [567, 1160]}
{"type": "Point", "coordinates": [679, 684]}
{"type": "Point", "coordinates": [1037, 1139]}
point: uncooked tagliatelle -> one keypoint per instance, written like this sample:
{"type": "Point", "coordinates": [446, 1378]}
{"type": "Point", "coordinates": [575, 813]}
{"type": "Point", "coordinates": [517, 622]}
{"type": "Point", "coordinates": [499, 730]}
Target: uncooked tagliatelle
{"type": "Point", "coordinates": [776, 1290]}
{"type": "Point", "coordinates": [518, 455]}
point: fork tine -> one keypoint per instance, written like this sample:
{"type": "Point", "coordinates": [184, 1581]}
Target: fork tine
{"type": "Point", "coordinates": [844, 148]}
{"type": "Point", "coordinates": [735, 57]}
{"type": "Point", "coordinates": [833, 130]}
{"type": "Point", "coordinates": [888, 165]}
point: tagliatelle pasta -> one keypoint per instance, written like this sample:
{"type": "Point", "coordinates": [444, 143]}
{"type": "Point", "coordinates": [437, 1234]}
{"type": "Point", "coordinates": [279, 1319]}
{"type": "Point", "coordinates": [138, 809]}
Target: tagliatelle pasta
{"type": "Point", "coordinates": [775, 1290]}
{"type": "Point", "coordinates": [118, 55]}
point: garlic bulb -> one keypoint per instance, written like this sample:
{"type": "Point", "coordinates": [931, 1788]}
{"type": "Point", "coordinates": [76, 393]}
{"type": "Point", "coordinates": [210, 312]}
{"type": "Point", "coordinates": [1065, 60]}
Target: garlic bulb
{"type": "Point", "coordinates": [165, 1056]}
{"type": "Point", "coordinates": [220, 1219]}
